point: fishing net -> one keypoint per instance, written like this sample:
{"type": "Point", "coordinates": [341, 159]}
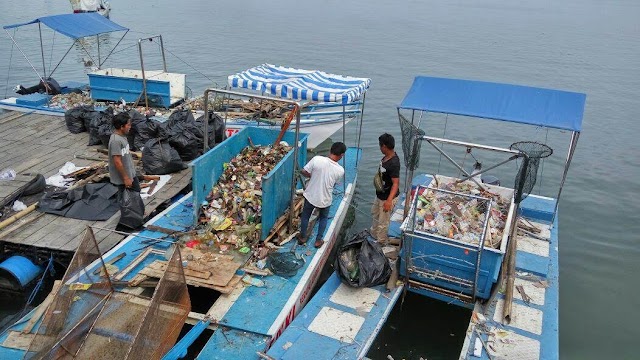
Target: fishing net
{"type": "Point", "coordinates": [528, 171]}
{"type": "Point", "coordinates": [410, 142]}
{"type": "Point", "coordinates": [89, 318]}
{"type": "Point", "coordinates": [284, 264]}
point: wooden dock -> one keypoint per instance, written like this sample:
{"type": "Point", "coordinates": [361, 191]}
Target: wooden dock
{"type": "Point", "coordinates": [32, 144]}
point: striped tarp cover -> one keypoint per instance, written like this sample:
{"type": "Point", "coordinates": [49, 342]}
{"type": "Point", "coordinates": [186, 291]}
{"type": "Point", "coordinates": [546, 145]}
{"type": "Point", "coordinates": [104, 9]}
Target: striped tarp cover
{"type": "Point", "coordinates": [298, 84]}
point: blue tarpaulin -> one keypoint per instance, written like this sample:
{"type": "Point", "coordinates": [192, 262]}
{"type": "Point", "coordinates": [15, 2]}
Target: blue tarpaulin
{"type": "Point", "coordinates": [76, 26]}
{"type": "Point", "coordinates": [513, 103]}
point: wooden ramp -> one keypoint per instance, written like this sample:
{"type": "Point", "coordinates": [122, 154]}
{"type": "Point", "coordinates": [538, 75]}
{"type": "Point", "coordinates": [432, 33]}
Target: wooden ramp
{"type": "Point", "coordinates": [31, 144]}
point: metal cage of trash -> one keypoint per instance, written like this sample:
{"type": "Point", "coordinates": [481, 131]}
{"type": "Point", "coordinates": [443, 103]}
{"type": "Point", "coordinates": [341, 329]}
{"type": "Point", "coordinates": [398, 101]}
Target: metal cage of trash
{"type": "Point", "coordinates": [411, 232]}
{"type": "Point", "coordinates": [89, 318]}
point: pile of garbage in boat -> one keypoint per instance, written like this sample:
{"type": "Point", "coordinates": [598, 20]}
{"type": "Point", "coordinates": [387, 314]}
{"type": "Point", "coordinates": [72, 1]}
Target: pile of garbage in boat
{"type": "Point", "coordinates": [458, 210]}
{"type": "Point", "coordinates": [233, 211]}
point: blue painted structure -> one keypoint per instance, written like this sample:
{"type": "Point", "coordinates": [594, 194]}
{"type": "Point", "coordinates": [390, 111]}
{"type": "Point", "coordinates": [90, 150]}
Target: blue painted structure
{"type": "Point", "coordinates": [114, 88]}
{"type": "Point", "coordinates": [21, 268]}
{"type": "Point", "coordinates": [276, 196]}
{"type": "Point", "coordinates": [447, 258]}
{"type": "Point", "coordinates": [298, 342]}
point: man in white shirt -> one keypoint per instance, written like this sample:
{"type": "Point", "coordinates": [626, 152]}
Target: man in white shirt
{"type": "Point", "coordinates": [324, 173]}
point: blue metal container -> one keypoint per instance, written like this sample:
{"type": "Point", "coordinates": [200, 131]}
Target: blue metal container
{"type": "Point", "coordinates": [21, 270]}
{"type": "Point", "coordinates": [451, 264]}
{"type": "Point", "coordinates": [163, 89]}
{"type": "Point", "coordinates": [276, 185]}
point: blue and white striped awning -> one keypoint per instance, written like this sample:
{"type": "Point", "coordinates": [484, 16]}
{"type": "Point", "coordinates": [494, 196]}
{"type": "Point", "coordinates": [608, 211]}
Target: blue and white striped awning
{"type": "Point", "coordinates": [298, 84]}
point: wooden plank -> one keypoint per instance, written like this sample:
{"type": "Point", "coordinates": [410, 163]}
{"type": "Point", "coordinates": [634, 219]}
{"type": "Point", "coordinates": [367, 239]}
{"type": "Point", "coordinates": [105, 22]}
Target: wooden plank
{"type": "Point", "coordinates": [18, 340]}
{"type": "Point", "coordinates": [133, 264]}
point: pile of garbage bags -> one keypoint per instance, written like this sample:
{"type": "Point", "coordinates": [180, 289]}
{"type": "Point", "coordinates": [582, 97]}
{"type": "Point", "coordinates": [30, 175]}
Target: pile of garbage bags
{"type": "Point", "coordinates": [165, 145]}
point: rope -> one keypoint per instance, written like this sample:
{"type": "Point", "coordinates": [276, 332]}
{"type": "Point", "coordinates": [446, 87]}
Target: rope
{"type": "Point", "coordinates": [6, 88]}
{"type": "Point", "coordinates": [36, 289]}
{"type": "Point", "coordinates": [189, 65]}
{"type": "Point", "coordinates": [53, 41]}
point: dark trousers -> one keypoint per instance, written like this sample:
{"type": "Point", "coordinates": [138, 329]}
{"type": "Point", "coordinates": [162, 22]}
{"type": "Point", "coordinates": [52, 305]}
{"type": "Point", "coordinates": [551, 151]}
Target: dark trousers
{"type": "Point", "coordinates": [306, 214]}
{"type": "Point", "coordinates": [135, 186]}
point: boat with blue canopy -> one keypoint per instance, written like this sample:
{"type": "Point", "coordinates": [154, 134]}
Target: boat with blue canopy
{"type": "Point", "coordinates": [245, 278]}
{"type": "Point", "coordinates": [466, 239]}
{"type": "Point", "coordinates": [330, 101]}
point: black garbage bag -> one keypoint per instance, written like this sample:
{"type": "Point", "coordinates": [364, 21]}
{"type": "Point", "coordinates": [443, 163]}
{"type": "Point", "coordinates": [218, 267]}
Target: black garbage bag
{"type": "Point", "coordinates": [104, 133]}
{"type": "Point", "coordinates": [75, 118]}
{"type": "Point", "coordinates": [97, 201]}
{"type": "Point", "coordinates": [215, 129]}
{"type": "Point", "coordinates": [147, 130]}
{"type": "Point", "coordinates": [158, 158]}
{"type": "Point", "coordinates": [185, 135]}
{"type": "Point", "coordinates": [131, 209]}
{"type": "Point", "coordinates": [179, 117]}
{"type": "Point", "coordinates": [136, 118]}
{"type": "Point", "coordinates": [285, 264]}
{"type": "Point", "coordinates": [360, 262]}
{"type": "Point", "coordinates": [93, 122]}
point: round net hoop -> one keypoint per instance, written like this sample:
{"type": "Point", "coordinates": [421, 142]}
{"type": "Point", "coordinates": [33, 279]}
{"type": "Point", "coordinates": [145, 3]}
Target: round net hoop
{"type": "Point", "coordinates": [528, 171]}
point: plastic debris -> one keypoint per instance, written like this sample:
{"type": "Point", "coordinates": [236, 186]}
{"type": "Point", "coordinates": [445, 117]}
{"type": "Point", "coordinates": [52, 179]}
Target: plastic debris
{"type": "Point", "coordinates": [7, 174]}
{"type": "Point", "coordinates": [250, 280]}
{"type": "Point", "coordinates": [18, 206]}
{"type": "Point", "coordinates": [459, 211]}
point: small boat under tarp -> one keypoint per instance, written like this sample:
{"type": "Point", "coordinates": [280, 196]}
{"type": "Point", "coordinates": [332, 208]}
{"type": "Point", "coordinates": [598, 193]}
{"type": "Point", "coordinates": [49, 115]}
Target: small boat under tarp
{"type": "Point", "coordinates": [509, 279]}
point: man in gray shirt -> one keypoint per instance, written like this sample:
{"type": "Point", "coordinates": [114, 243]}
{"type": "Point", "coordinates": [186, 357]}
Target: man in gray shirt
{"type": "Point", "coordinates": [121, 169]}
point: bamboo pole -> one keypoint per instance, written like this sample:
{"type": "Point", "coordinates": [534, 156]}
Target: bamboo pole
{"type": "Point", "coordinates": [17, 216]}
{"type": "Point", "coordinates": [511, 270]}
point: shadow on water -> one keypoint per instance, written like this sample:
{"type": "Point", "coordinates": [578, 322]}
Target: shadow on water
{"type": "Point", "coordinates": [422, 328]}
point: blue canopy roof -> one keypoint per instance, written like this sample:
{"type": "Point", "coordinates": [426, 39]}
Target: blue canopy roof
{"type": "Point", "coordinates": [76, 26]}
{"type": "Point", "coordinates": [299, 84]}
{"type": "Point", "coordinates": [513, 103]}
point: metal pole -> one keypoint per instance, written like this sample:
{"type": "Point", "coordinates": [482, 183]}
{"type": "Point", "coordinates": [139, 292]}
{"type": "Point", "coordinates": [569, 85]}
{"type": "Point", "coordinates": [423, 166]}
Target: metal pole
{"type": "Point", "coordinates": [572, 147]}
{"type": "Point", "coordinates": [344, 141]}
{"type": "Point", "coordinates": [487, 169]}
{"type": "Point", "coordinates": [205, 148]}
{"type": "Point", "coordinates": [65, 55]}
{"type": "Point", "coordinates": [44, 69]}
{"type": "Point", "coordinates": [24, 55]}
{"type": "Point", "coordinates": [99, 57]}
{"type": "Point", "coordinates": [453, 162]}
{"type": "Point", "coordinates": [364, 97]}
{"type": "Point", "coordinates": [144, 79]}
{"type": "Point", "coordinates": [164, 60]}
{"type": "Point", "coordinates": [110, 52]}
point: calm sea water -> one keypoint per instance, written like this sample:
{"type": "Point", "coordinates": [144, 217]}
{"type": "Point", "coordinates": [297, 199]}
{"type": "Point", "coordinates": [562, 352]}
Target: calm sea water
{"type": "Point", "coordinates": [578, 45]}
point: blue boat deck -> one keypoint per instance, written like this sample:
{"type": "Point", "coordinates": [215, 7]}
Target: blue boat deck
{"type": "Point", "coordinates": [338, 322]}
{"type": "Point", "coordinates": [533, 330]}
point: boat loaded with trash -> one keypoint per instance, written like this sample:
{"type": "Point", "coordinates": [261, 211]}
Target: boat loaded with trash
{"type": "Point", "coordinates": [230, 277]}
{"type": "Point", "coordinates": [123, 89]}
{"type": "Point", "coordinates": [466, 240]}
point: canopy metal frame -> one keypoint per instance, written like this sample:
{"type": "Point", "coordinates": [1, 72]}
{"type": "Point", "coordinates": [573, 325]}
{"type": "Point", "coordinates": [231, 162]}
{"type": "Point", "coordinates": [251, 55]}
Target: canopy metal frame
{"type": "Point", "coordinates": [44, 75]}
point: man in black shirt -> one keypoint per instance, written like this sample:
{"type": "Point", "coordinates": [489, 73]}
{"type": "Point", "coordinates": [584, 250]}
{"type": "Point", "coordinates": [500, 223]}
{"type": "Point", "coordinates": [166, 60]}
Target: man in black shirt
{"type": "Point", "coordinates": [386, 182]}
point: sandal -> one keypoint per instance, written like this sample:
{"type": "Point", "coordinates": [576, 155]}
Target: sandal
{"type": "Point", "coordinates": [318, 244]}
